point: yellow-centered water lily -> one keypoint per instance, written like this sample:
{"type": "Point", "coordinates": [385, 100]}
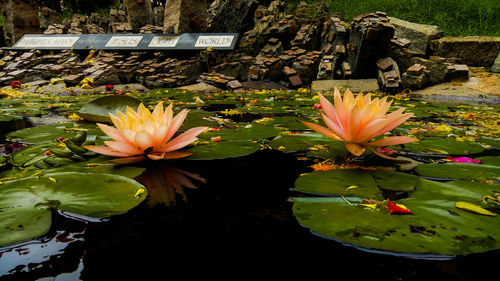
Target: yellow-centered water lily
{"type": "Point", "coordinates": [142, 134]}
{"type": "Point", "coordinates": [357, 120]}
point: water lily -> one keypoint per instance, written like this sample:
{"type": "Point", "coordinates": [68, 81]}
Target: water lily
{"type": "Point", "coordinates": [142, 134]}
{"type": "Point", "coordinates": [357, 120]}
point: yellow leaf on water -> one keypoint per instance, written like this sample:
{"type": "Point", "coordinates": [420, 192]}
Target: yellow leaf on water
{"type": "Point", "coordinates": [351, 187]}
{"type": "Point", "coordinates": [466, 206]}
{"type": "Point", "coordinates": [53, 180]}
{"type": "Point", "coordinates": [371, 206]}
{"type": "Point", "coordinates": [139, 192]}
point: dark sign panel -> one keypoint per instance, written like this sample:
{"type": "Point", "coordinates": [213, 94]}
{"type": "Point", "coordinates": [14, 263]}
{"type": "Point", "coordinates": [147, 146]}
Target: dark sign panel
{"type": "Point", "coordinates": [136, 42]}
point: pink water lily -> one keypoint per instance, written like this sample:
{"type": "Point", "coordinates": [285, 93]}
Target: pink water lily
{"type": "Point", "coordinates": [142, 134]}
{"type": "Point", "coordinates": [357, 120]}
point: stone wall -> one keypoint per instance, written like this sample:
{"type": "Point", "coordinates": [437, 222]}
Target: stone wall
{"type": "Point", "coordinates": [20, 17]}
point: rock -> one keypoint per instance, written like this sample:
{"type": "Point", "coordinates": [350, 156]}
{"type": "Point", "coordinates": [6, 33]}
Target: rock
{"type": "Point", "coordinates": [420, 35]}
{"type": "Point", "coordinates": [20, 17]}
{"type": "Point", "coordinates": [496, 65]}
{"type": "Point", "coordinates": [470, 50]}
{"type": "Point", "coordinates": [139, 13]}
{"type": "Point", "coordinates": [388, 75]}
{"type": "Point", "coordinates": [234, 16]}
{"type": "Point", "coordinates": [355, 85]}
{"type": "Point", "coordinates": [460, 72]}
{"type": "Point", "coordinates": [200, 87]}
{"type": "Point", "coordinates": [416, 77]}
{"type": "Point", "coordinates": [370, 35]}
{"type": "Point", "coordinates": [185, 16]}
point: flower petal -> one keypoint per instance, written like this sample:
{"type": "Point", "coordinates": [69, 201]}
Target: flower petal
{"type": "Point", "coordinates": [392, 141]}
{"type": "Point", "coordinates": [144, 140]}
{"type": "Point", "coordinates": [183, 139]}
{"type": "Point", "coordinates": [112, 132]}
{"type": "Point", "coordinates": [127, 160]}
{"type": "Point", "coordinates": [123, 148]}
{"type": "Point", "coordinates": [320, 129]}
{"type": "Point", "coordinates": [175, 124]}
{"type": "Point", "coordinates": [105, 150]}
{"type": "Point", "coordinates": [355, 148]}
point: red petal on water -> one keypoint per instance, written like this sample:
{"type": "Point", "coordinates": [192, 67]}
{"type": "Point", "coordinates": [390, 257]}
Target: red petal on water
{"type": "Point", "coordinates": [395, 209]}
{"type": "Point", "coordinates": [463, 160]}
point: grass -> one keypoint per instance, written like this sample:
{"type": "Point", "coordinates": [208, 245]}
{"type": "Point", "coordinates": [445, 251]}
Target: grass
{"type": "Point", "coordinates": [455, 17]}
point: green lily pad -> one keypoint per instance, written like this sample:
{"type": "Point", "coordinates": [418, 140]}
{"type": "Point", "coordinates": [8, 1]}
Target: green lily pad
{"type": "Point", "coordinates": [459, 171]}
{"type": "Point", "coordinates": [490, 160]}
{"type": "Point", "coordinates": [435, 228]}
{"type": "Point", "coordinates": [337, 182]}
{"type": "Point", "coordinates": [293, 143]}
{"type": "Point", "coordinates": [31, 154]}
{"type": "Point", "coordinates": [364, 184]}
{"type": "Point", "coordinates": [50, 133]}
{"type": "Point", "coordinates": [98, 110]}
{"type": "Point", "coordinates": [25, 204]}
{"type": "Point", "coordinates": [443, 146]}
{"type": "Point", "coordinates": [494, 142]}
{"type": "Point", "coordinates": [99, 164]}
{"type": "Point", "coordinates": [246, 132]}
{"type": "Point", "coordinates": [223, 150]}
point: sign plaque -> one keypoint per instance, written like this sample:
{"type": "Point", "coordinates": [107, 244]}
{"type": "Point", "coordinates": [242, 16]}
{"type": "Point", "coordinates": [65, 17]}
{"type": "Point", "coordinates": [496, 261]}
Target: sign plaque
{"type": "Point", "coordinates": [164, 41]}
{"type": "Point", "coordinates": [213, 41]}
{"type": "Point", "coordinates": [132, 42]}
{"type": "Point", "coordinates": [124, 41]}
{"type": "Point", "coordinates": [34, 42]}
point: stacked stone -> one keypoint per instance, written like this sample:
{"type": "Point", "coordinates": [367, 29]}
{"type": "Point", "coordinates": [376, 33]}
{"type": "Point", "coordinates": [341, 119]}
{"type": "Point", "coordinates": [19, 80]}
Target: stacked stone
{"type": "Point", "coordinates": [118, 21]}
{"type": "Point", "coordinates": [369, 39]}
{"type": "Point", "coordinates": [77, 25]}
{"type": "Point", "coordinates": [236, 65]}
{"type": "Point", "coordinates": [388, 76]}
{"type": "Point", "coordinates": [149, 28]}
{"type": "Point", "coordinates": [55, 29]}
{"type": "Point", "coordinates": [333, 37]}
{"type": "Point", "coordinates": [219, 80]}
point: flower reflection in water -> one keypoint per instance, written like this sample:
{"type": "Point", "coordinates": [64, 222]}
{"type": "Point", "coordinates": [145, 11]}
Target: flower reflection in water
{"type": "Point", "coordinates": [164, 182]}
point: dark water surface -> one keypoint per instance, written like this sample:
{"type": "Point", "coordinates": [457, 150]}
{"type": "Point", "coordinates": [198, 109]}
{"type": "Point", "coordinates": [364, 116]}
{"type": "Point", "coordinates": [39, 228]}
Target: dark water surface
{"type": "Point", "coordinates": [237, 226]}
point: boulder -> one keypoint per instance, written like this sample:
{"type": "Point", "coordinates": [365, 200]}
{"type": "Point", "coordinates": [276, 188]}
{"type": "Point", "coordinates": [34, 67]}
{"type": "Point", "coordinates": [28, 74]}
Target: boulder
{"type": "Point", "coordinates": [139, 13]}
{"type": "Point", "coordinates": [185, 16]}
{"type": "Point", "coordinates": [420, 35]}
{"type": "Point", "coordinates": [355, 85]}
{"type": "Point", "coordinates": [234, 16]}
{"type": "Point", "coordinates": [470, 50]}
{"type": "Point", "coordinates": [496, 65]}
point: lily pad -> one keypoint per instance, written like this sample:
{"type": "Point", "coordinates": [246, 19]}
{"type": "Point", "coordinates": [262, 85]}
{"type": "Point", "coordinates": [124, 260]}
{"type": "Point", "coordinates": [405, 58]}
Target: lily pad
{"type": "Point", "coordinates": [31, 154]}
{"type": "Point", "coordinates": [459, 171]}
{"type": "Point", "coordinates": [26, 204]}
{"type": "Point", "coordinates": [443, 146]}
{"type": "Point", "coordinates": [436, 228]}
{"type": "Point", "coordinates": [98, 110]}
{"type": "Point", "coordinates": [355, 183]}
{"type": "Point", "coordinates": [50, 133]}
{"type": "Point", "coordinates": [223, 150]}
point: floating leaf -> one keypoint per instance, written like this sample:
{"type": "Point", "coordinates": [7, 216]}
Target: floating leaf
{"type": "Point", "coordinates": [25, 204]}
{"type": "Point", "coordinates": [437, 228]}
{"type": "Point", "coordinates": [434, 145]}
{"type": "Point", "coordinates": [98, 110]}
{"type": "Point", "coordinates": [473, 208]}
{"type": "Point", "coordinates": [459, 171]}
{"type": "Point", "coordinates": [223, 149]}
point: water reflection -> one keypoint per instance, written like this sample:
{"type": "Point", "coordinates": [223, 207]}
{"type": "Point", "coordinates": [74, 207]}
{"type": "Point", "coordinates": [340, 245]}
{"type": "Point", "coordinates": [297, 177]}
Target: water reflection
{"type": "Point", "coordinates": [60, 251]}
{"type": "Point", "coordinates": [165, 183]}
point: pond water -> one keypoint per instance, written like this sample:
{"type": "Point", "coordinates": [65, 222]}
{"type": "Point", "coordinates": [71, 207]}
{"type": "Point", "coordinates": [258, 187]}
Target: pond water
{"type": "Point", "coordinates": [239, 223]}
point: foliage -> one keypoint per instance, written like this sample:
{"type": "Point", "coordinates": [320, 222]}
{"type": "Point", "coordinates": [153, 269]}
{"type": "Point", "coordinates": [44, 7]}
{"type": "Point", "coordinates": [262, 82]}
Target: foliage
{"type": "Point", "coordinates": [455, 17]}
